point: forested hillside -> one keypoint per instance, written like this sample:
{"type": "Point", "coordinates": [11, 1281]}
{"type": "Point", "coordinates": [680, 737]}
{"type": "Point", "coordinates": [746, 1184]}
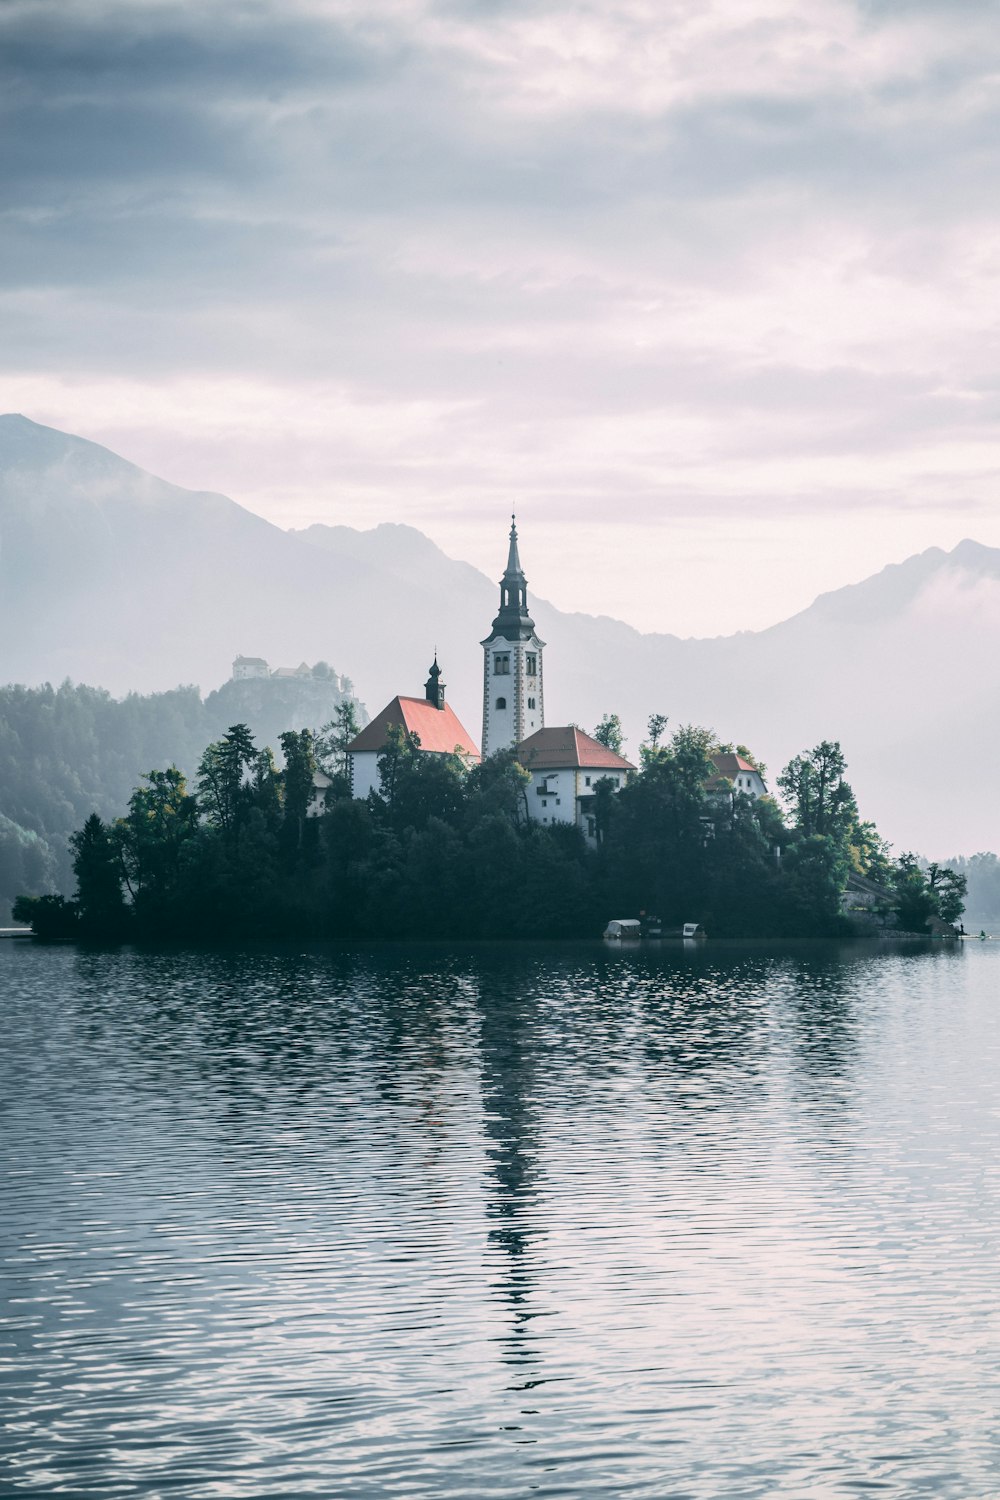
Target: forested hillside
{"type": "Point", "coordinates": [69, 751]}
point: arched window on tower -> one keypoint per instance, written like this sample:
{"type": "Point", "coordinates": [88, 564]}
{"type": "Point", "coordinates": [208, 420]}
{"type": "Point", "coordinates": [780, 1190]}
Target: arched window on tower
{"type": "Point", "coordinates": [501, 703]}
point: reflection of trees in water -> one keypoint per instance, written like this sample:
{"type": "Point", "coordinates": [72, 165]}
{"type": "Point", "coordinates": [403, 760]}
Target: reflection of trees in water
{"type": "Point", "coordinates": [821, 1014]}
{"type": "Point", "coordinates": [269, 1030]}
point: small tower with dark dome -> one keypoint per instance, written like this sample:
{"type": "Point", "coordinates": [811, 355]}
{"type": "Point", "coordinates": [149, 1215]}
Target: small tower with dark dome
{"type": "Point", "coordinates": [513, 701]}
{"type": "Point", "coordinates": [434, 687]}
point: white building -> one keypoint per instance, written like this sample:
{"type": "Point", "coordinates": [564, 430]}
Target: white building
{"type": "Point", "coordinates": [565, 766]}
{"type": "Point", "coordinates": [302, 670]}
{"type": "Point", "coordinates": [429, 720]}
{"type": "Point", "coordinates": [513, 693]}
{"type": "Point", "coordinates": [316, 806]}
{"type": "Point", "coordinates": [734, 774]}
{"type": "Point", "coordinates": [250, 666]}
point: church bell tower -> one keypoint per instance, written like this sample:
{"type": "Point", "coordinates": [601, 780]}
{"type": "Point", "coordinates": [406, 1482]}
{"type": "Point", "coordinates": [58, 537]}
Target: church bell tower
{"type": "Point", "coordinates": [513, 701]}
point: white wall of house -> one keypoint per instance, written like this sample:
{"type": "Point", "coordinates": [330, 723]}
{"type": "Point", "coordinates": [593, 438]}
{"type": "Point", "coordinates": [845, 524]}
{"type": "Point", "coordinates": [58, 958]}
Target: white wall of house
{"type": "Point", "coordinates": [513, 702]}
{"type": "Point", "coordinates": [317, 802]}
{"type": "Point", "coordinates": [242, 670]}
{"type": "Point", "coordinates": [364, 773]}
{"type": "Point", "coordinates": [750, 783]}
{"type": "Point", "coordinates": [553, 796]}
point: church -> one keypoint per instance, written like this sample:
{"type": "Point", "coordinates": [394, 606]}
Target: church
{"type": "Point", "coordinates": [565, 764]}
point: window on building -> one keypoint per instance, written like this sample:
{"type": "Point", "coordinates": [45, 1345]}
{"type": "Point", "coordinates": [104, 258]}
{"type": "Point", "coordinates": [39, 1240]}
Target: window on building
{"type": "Point", "coordinates": [591, 827]}
{"type": "Point", "coordinates": [531, 663]}
{"type": "Point", "coordinates": [531, 702]}
{"type": "Point", "coordinates": [501, 703]}
{"type": "Point", "coordinates": [501, 663]}
{"type": "Point", "coordinates": [586, 781]}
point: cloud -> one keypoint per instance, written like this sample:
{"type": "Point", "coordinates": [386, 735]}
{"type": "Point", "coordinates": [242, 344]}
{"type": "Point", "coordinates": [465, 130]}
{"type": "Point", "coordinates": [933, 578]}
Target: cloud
{"type": "Point", "coordinates": [680, 259]}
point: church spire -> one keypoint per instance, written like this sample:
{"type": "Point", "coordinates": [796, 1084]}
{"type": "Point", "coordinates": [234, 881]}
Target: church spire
{"type": "Point", "coordinates": [514, 569]}
{"type": "Point", "coordinates": [434, 687]}
{"type": "Point", "coordinates": [513, 614]}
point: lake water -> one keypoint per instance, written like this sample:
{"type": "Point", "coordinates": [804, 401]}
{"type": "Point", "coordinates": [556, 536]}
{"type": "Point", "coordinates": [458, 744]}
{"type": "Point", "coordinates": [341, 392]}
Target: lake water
{"type": "Point", "coordinates": [518, 1221]}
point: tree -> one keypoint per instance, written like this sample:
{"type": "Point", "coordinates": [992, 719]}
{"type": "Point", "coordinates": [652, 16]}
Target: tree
{"type": "Point", "coordinates": [297, 782]}
{"type": "Point", "coordinates": [818, 795]}
{"type": "Point", "coordinates": [655, 726]}
{"type": "Point", "coordinates": [609, 733]}
{"type": "Point", "coordinates": [396, 754]}
{"type": "Point", "coordinates": [605, 792]}
{"type": "Point", "coordinates": [921, 894]}
{"type": "Point", "coordinates": [162, 818]}
{"type": "Point", "coordinates": [814, 871]}
{"type": "Point", "coordinates": [53, 919]}
{"type": "Point", "coordinates": [498, 784]}
{"type": "Point", "coordinates": [330, 746]}
{"type": "Point", "coordinates": [870, 853]}
{"type": "Point", "coordinates": [656, 840]}
{"type": "Point", "coordinates": [98, 872]}
{"type": "Point", "coordinates": [223, 777]}
{"type": "Point", "coordinates": [948, 890]}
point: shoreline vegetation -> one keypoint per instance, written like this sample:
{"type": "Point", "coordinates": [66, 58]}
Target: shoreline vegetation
{"type": "Point", "coordinates": [447, 851]}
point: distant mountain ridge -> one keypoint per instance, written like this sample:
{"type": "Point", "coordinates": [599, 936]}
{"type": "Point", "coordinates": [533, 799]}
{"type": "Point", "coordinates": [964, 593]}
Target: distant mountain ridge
{"type": "Point", "coordinates": [112, 576]}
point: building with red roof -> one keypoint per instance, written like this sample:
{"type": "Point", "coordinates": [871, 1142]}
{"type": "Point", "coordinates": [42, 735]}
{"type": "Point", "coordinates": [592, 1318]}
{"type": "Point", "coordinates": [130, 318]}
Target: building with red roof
{"type": "Point", "coordinates": [429, 721]}
{"type": "Point", "coordinates": [733, 773]}
{"type": "Point", "coordinates": [565, 765]}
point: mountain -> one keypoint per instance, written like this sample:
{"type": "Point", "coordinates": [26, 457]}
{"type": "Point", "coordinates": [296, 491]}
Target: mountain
{"type": "Point", "coordinates": [112, 576]}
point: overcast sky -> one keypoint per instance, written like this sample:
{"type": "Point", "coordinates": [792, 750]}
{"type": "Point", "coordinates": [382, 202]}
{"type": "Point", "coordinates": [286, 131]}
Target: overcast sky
{"type": "Point", "coordinates": [708, 291]}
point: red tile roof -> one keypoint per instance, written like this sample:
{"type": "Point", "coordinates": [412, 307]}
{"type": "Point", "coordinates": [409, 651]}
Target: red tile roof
{"type": "Point", "coordinates": [438, 729]}
{"type": "Point", "coordinates": [568, 747]}
{"type": "Point", "coordinates": [728, 764]}
{"type": "Point", "coordinates": [727, 767]}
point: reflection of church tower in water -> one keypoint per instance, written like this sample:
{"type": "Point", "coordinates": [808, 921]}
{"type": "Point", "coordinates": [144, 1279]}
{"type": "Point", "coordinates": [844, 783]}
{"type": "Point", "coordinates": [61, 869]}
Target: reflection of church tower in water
{"type": "Point", "coordinates": [513, 702]}
{"type": "Point", "coordinates": [512, 1146]}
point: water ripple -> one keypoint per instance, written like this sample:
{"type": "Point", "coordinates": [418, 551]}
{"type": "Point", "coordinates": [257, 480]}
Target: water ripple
{"type": "Point", "coordinates": [500, 1222]}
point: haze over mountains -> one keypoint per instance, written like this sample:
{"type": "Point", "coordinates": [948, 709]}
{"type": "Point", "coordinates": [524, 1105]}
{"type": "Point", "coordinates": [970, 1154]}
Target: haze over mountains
{"type": "Point", "coordinates": [111, 576]}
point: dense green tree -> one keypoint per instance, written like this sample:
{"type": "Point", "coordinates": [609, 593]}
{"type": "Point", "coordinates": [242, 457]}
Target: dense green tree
{"type": "Point", "coordinates": [819, 798]}
{"type": "Point", "coordinates": [51, 918]}
{"type": "Point", "coordinates": [921, 894]}
{"type": "Point", "coordinates": [656, 727]}
{"type": "Point", "coordinates": [297, 787]}
{"type": "Point", "coordinates": [162, 819]}
{"type": "Point", "coordinates": [225, 779]}
{"type": "Point", "coordinates": [948, 890]}
{"type": "Point", "coordinates": [815, 867]}
{"type": "Point", "coordinates": [331, 744]}
{"type": "Point", "coordinates": [98, 871]}
{"type": "Point", "coordinates": [498, 784]}
{"type": "Point", "coordinates": [662, 823]}
{"type": "Point", "coordinates": [609, 733]}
